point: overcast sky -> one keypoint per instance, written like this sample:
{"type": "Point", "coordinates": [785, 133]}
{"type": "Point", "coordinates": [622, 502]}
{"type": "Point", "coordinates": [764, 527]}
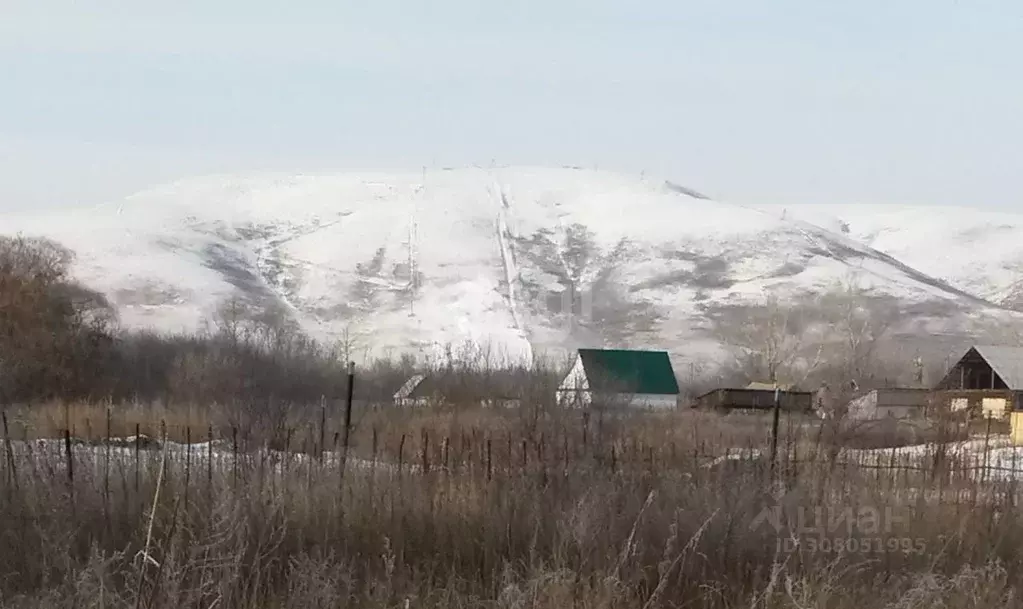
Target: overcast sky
{"type": "Point", "coordinates": [802, 101]}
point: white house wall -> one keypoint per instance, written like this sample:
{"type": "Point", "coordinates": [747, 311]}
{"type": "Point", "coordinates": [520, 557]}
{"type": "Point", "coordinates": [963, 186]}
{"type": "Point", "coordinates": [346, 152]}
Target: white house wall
{"type": "Point", "coordinates": [878, 405]}
{"type": "Point", "coordinates": [576, 379]}
{"type": "Point", "coordinates": [573, 390]}
{"type": "Point", "coordinates": [864, 407]}
{"type": "Point", "coordinates": [570, 398]}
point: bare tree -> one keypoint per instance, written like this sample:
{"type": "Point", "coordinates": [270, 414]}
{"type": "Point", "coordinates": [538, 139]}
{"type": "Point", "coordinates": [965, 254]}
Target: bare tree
{"type": "Point", "coordinates": [858, 322]}
{"type": "Point", "coordinates": [349, 344]}
{"type": "Point", "coordinates": [274, 328]}
{"type": "Point", "coordinates": [230, 319]}
{"type": "Point", "coordinates": [833, 340]}
{"type": "Point", "coordinates": [770, 341]}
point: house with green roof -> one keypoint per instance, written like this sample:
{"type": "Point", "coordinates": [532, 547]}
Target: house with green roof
{"type": "Point", "coordinates": [619, 377]}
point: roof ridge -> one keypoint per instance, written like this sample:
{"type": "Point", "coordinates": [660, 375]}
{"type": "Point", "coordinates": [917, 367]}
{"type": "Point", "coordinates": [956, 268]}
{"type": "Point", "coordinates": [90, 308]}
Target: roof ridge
{"type": "Point", "coordinates": [623, 350]}
{"type": "Point", "coordinates": [1005, 360]}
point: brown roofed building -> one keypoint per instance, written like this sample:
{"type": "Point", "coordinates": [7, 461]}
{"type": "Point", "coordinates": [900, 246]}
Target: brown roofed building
{"type": "Point", "coordinates": [987, 381]}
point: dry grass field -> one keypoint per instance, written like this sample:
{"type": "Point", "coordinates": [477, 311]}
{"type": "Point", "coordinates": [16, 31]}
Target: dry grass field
{"type": "Point", "coordinates": [472, 508]}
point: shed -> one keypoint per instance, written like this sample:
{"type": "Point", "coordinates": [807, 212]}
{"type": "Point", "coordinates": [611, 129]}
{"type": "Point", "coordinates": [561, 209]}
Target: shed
{"type": "Point", "coordinates": [770, 386]}
{"type": "Point", "coordinates": [987, 380]}
{"type": "Point", "coordinates": [620, 377]}
{"type": "Point", "coordinates": [436, 389]}
{"type": "Point", "coordinates": [412, 392]}
{"type": "Point", "coordinates": [746, 398]}
{"type": "Point", "coordinates": [895, 403]}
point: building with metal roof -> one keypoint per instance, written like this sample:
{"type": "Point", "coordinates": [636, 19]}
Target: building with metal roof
{"type": "Point", "coordinates": [759, 386]}
{"type": "Point", "coordinates": [755, 398]}
{"type": "Point", "coordinates": [410, 393]}
{"type": "Point", "coordinates": [442, 388]}
{"type": "Point", "coordinates": [987, 379]}
{"type": "Point", "coordinates": [620, 377]}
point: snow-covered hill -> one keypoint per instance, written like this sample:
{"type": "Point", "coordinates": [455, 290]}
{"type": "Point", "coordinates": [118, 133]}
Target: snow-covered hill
{"type": "Point", "coordinates": [978, 251]}
{"type": "Point", "coordinates": [522, 259]}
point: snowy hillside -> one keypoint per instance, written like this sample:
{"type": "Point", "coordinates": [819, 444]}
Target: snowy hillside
{"type": "Point", "coordinates": [978, 251]}
{"type": "Point", "coordinates": [408, 263]}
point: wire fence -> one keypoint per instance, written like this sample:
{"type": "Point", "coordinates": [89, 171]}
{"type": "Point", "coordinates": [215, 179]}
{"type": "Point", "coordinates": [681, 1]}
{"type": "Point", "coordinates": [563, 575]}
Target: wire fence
{"type": "Point", "coordinates": [229, 458]}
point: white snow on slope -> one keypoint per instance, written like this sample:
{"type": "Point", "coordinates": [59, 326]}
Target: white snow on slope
{"type": "Point", "coordinates": [976, 250]}
{"type": "Point", "coordinates": [496, 249]}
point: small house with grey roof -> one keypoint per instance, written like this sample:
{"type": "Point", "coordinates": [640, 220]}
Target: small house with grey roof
{"type": "Point", "coordinates": [448, 389]}
{"type": "Point", "coordinates": [987, 380]}
{"type": "Point", "coordinates": [889, 403]}
{"type": "Point", "coordinates": [620, 378]}
{"type": "Point", "coordinates": [756, 396]}
{"type": "Point", "coordinates": [412, 392]}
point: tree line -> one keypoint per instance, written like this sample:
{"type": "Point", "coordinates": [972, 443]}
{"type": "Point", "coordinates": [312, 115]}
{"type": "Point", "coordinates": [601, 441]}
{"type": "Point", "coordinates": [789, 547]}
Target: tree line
{"type": "Point", "coordinates": [61, 341]}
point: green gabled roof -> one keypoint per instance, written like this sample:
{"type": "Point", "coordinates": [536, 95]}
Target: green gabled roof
{"type": "Point", "coordinates": [623, 371]}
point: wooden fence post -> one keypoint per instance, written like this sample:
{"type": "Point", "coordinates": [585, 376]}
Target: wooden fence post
{"type": "Point", "coordinates": [347, 430]}
{"type": "Point", "coordinates": [70, 470]}
{"type": "Point", "coordinates": [401, 453]}
{"type": "Point", "coordinates": [12, 470]}
{"type": "Point", "coordinates": [774, 430]}
{"type": "Point", "coordinates": [138, 441]}
{"type": "Point", "coordinates": [444, 453]}
{"type": "Point", "coordinates": [287, 453]}
{"type": "Point", "coordinates": [374, 445]}
{"type": "Point", "coordinates": [188, 463]}
{"type": "Point", "coordinates": [426, 452]}
{"type": "Point", "coordinates": [234, 460]}
{"type": "Point", "coordinates": [106, 474]}
{"type": "Point", "coordinates": [323, 427]}
{"type": "Point", "coordinates": [987, 441]}
{"type": "Point", "coordinates": [209, 461]}
{"type": "Point", "coordinates": [490, 463]}
{"type": "Point", "coordinates": [564, 440]}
